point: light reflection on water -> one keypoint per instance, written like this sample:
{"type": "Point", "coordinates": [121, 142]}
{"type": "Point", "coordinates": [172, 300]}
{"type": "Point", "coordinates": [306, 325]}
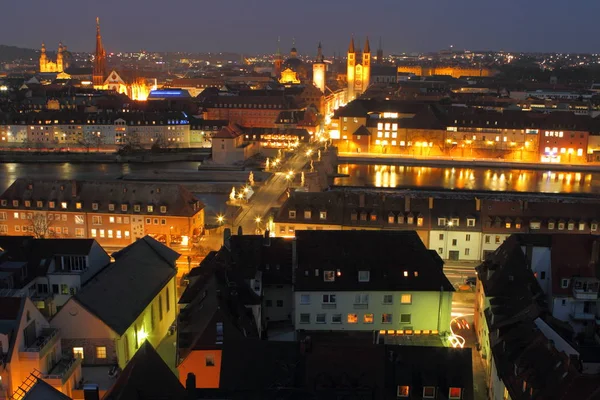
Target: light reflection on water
{"type": "Point", "coordinates": [478, 178]}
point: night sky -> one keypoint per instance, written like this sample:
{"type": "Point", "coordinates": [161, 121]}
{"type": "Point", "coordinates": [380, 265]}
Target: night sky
{"type": "Point", "coordinates": [252, 26]}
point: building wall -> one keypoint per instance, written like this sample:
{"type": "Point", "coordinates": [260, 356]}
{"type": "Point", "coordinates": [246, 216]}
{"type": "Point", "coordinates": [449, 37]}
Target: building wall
{"type": "Point", "coordinates": [466, 243]}
{"type": "Point", "coordinates": [497, 389]}
{"type": "Point", "coordinates": [278, 303]}
{"type": "Point", "coordinates": [491, 241]}
{"type": "Point", "coordinates": [144, 329]}
{"type": "Point", "coordinates": [231, 151]}
{"type": "Point", "coordinates": [198, 362]}
{"type": "Point", "coordinates": [540, 266]}
{"type": "Point", "coordinates": [428, 310]}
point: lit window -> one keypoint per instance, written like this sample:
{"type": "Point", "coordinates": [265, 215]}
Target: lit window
{"type": "Point", "coordinates": [78, 352]}
{"type": "Point", "coordinates": [110, 233]}
{"type": "Point", "coordinates": [63, 205]}
{"type": "Point", "coordinates": [136, 208]}
{"type": "Point", "coordinates": [150, 209]}
{"type": "Point", "coordinates": [163, 209]}
{"type": "Point", "coordinates": [329, 276]}
{"type": "Point", "coordinates": [101, 352]}
{"type": "Point", "coordinates": [123, 207]}
{"type": "Point", "coordinates": [292, 214]}
{"type": "Point", "coordinates": [78, 205]}
{"type": "Point", "coordinates": [403, 391]}
{"type": "Point", "coordinates": [470, 222]}
{"type": "Point", "coordinates": [406, 299]}
{"type": "Point", "coordinates": [352, 318]}
{"type": "Point", "coordinates": [111, 220]}
{"type": "Point", "coordinates": [111, 207]}
{"type": "Point", "coordinates": [209, 360]}
{"type": "Point", "coordinates": [101, 233]}
{"type": "Point", "coordinates": [368, 319]}
{"type": "Point", "coordinates": [307, 214]}
{"type": "Point", "coordinates": [441, 221]}
{"type": "Point", "coordinates": [455, 393]}
{"type": "Point", "coordinates": [51, 204]}
{"type": "Point", "coordinates": [127, 234]}
{"type": "Point", "coordinates": [94, 233]}
{"type": "Point", "coordinates": [386, 318]}
{"type": "Point", "coordinates": [323, 215]}
{"type": "Point", "coordinates": [363, 276]}
{"type": "Point", "coordinates": [420, 221]}
{"type": "Point", "coordinates": [508, 225]}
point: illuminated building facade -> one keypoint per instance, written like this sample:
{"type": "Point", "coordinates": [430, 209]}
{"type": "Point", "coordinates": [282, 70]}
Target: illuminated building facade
{"type": "Point", "coordinates": [136, 88]}
{"type": "Point", "coordinates": [319, 68]}
{"type": "Point", "coordinates": [455, 72]}
{"type": "Point", "coordinates": [115, 214]}
{"type": "Point", "coordinates": [61, 60]}
{"type": "Point", "coordinates": [358, 72]}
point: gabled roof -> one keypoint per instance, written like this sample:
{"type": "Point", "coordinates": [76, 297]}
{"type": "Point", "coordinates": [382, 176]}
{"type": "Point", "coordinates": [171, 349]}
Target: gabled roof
{"type": "Point", "coordinates": [121, 292]}
{"type": "Point", "coordinates": [146, 377]}
{"type": "Point", "coordinates": [362, 131]}
{"type": "Point", "coordinates": [396, 261]}
{"type": "Point", "coordinates": [229, 132]}
{"type": "Point", "coordinates": [44, 391]}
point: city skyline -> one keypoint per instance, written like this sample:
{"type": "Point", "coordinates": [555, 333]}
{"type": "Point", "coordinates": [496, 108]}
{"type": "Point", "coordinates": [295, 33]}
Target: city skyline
{"type": "Point", "coordinates": [419, 27]}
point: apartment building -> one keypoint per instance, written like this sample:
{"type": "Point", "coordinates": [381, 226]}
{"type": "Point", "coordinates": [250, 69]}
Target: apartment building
{"type": "Point", "coordinates": [369, 281]}
{"type": "Point", "coordinates": [459, 225]}
{"type": "Point", "coordinates": [129, 302]}
{"type": "Point", "coordinates": [28, 344]}
{"type": "Point", "coordinates": [48, 271]}
{"type": "Point", "coordinates": [115, 213]}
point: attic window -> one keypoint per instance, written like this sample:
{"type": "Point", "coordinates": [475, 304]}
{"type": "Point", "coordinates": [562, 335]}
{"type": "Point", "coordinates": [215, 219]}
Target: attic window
{"type": "Point", "coordinates": [403, 391]}
{"type": "Point", "coordinates": [94, 206]}
{"type": "Point", "coordinates": [39, 203]}
{"type": "Point", "coordinates": [136, 208]}
{"type": "Point", "coordinates": [111, 207]}
{"type": "Point", "coordinates": [429, 392]}
{"type": "Point", "coordinates": [163, 209]}
{"type": "Point", "coordinates": [15, 203]}
{"type": "Point", "coordinates": [307, 214]}
{"type": "Point", "coordinates": [329, 276]}
{"type": "Point", "coordinates": [4, 203]}
{"type": "Point", "coordinates": [564, 283]}
{"type": "Point", "coordinates": [63, 205]}
{"type": "Point", "coordinates": [151, 208]}
{"type": "Point", "coordinates": [123, 207]}
{"type": "Point", "coordinates": [323, 215]}
{"type": "Point", "coordinates": [455, 393]}
{"type": "Point", "coordinates": [364, 276]}
{"type": "Point", "coordinates": [27, 203]}
{"type": "Point", "coordinates": [292, 214]}
{"type": "Point", "coordinates": [78, 205]}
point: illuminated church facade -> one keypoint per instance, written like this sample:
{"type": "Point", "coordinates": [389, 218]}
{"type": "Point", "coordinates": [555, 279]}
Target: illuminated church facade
{"type": "Point", "coordinates": [358, 70]}
{"type": "Point", "coordinates": [58, 66]}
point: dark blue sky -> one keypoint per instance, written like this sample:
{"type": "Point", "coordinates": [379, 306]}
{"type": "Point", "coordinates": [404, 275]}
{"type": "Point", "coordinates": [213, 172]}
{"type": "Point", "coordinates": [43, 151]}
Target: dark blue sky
{"type": "Point", "coordinates": [252, 26]}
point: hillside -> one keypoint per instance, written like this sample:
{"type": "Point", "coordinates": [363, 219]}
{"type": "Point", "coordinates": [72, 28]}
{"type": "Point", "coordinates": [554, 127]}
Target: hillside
{"type": "Point", "coordinates": [11, 53]}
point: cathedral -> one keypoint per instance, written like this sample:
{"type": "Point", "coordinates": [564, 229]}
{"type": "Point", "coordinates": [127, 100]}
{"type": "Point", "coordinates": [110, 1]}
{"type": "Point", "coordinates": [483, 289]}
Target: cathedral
{"type": "Point", "coordinates": [359, 70]}
{"type": "Point", "coordinates": [62, 60]}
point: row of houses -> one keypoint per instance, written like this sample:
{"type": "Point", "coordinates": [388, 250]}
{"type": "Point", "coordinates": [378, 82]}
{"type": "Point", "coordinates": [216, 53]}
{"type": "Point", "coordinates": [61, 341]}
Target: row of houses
{"type": "Point", "coordinates": [458, 225]}
{"type": "Point", "coordinates": [536, 317]}
{"type": "Point", "coordinates": [423, 129]}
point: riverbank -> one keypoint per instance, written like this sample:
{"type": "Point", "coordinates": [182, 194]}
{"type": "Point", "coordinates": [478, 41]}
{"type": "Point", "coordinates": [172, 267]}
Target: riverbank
{"type": "Point", "coordinates": [104, 158]}
{"type": "Point", "coordinates": [373, 158]}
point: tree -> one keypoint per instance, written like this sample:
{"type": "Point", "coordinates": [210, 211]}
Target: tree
{"type": "Point", "coordinates": [159, 144]}
{"type": "Point", "coordinates": [131, 143]}
{"type": "Point", "coordinates": [41, 225]}
{"type": "Point", "coordinates": [90, 140]}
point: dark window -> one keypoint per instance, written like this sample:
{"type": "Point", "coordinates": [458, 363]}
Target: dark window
{"type": "Point", "coordinates": [160, 310]}
{"type": "Point", "coordinates": [55, 289]}
{"type": "Point", "coordinates": [42, 288]}
{"type": "Point", "coordinates": [543, 275]}
{"type": "Point", "coordinates": [168, 301]}
{"type": "Point", "coordinates": [279, 303]}
{"type": "Point", "coordinates": [269, 303]}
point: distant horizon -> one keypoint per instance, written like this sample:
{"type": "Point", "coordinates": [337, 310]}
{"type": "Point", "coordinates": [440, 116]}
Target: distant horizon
{"type": "Point", "coordinates": [242, 27]}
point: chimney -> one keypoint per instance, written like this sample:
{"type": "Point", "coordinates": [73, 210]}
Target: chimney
{"type": "Point", "coordinates": [431, 203]}
{"type": "Point", "coordinates": [361, 200]}
{"type": "Point", "coordinates": [477, 204]}
{"type": "Point", "coordinates": [267, 239]}
{"type": "Point", "coordinates": [226, 237]}
{"type": "Point", "coordinates": [73, 188]}
{"type": "Point", "coordinates": [240, 231]}
{"type": "Point", "coordinates": [406, 203]}
{"type": "Point", "coordinates": [190, 385]}
{"type": "Point", "coordinates": [91, 391]}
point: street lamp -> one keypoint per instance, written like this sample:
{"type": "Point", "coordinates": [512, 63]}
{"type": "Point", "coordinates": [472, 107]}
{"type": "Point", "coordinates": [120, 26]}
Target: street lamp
{"type": "Point", "coordinates": [257, 220]}
{"type": "Point", "coordinates": [220, 219]}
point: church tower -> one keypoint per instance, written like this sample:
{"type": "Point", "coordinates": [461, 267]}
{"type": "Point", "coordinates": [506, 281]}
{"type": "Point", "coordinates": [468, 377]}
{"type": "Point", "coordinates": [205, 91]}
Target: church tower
{"type": "Point", "coordinates": [60, 59]}
{"type": "Point", "coordinates": [278, 60]}
{"type": "Point", "coordinates": [359, 71]}
{"type": "Point", "coordinates": [380, 53]}
{"type": "Point", "coordinates": [99, 60]}
{"type": "Point", "coordinates": [351, 67]}
{"type": "Point", "coordinates": [43, 58]}
{"type": "Point", "coordinates": [319, 70]}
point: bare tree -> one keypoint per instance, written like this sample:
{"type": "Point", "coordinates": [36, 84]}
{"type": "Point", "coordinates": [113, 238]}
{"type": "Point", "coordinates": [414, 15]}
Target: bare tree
{"type": "Point", "coordinates": [40, 225]}
{"type": "Point", "coordinates": [131, 143]}
{"type": "Point", "coordinates": [90, 140]}
{"type": "Point", "coordinates": [160, 143]}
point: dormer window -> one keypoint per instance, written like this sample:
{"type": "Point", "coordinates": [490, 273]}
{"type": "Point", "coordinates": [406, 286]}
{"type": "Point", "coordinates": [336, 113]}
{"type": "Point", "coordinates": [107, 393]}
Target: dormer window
{"type": "Point", "coordinates": [4, 203]}
{"type": "Point", "coordinates": [150, 209]}
{"type": "Point", "coordinates": [27, 203]}
{"type": "Point", "coordinates": [403, 391]}
{"type": "Point", "coordinates": [322, 215]}
{"type": "Point", "coordinates": [551, 224]}
{"type": "Point", "coordinates": [307, 214]}
{"type": "Point", "coordinates": [123, 207]}
{"type": "Point", "coordinates": [329, 276]}
{"type": "Point", "coordinates": [292, 214]}
{"type": "Point", "coordinates": [429, 392]}
{"type": "Point", "coordinates": [136, 208]}
{"type": "Point", "coordinates": [455, 393]}
{"type": "Point", "coordinates": [39, 204]}
{"type": "Point", "coordinates": [420, 221]}
{"type": "Point", "coordinates": [51, 204]}
{"type": "Point", "coordinates": [364, 276]}
{"type": "Point", "coordinates": [163, 209]}
{"type": "Point", "coordinates": [470, 223]}
{"type": "Point", "coordinates": [63, 205]}
{"type": "Point", "coordinates": [111, 207]}
{"type": "Point", "coordinates": [95, 206]}
{"type": "Point", "coordinates": [78, 205]}
{"type": "Point", "coordinates": [373, 217]}
{"type": "Point", "coordinates": [441, 221]}
{"type": "Point", "coordinates": [571, 225]}
{"type": "Point", "coordinates": [15, 203]}
{"type": "Point", "coordinates": [455, 221]}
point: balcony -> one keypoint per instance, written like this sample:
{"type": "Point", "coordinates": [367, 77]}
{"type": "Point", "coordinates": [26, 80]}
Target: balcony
{"type": "Point", "coordinates": [42, 345]}
{"type": "Point", "coordinates": [62, 371]}
{"type": "Point", "coordinates": [582, 316]}
{"type": "Point", "coordinates": [585, 288]}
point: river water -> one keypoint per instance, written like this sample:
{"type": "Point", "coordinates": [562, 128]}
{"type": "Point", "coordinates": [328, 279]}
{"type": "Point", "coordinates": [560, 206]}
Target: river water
{"type": "Point", "coordinates": [479, 178]}
{"type": "Point", "coordinates": [367, 175]}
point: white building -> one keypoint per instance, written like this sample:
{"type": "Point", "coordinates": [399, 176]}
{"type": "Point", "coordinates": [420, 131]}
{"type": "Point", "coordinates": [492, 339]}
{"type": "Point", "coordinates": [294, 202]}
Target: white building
{"type": "Point", "coordinates": [352, 280]}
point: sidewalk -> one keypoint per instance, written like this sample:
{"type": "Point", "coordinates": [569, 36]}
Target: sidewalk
{"type": "Point", "coordinates": [479, 376]}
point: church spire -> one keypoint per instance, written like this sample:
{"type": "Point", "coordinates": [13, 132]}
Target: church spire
{"type": "Point", "coordinates": [320, 53]}
{"type": "Point", "coordinates": [351, 48]}
{"type": "Point", "coordinates": [367, 46]}
{"type": "Point", "coordinates": [99, 59]}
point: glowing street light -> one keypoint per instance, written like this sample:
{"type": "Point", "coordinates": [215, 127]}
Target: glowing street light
{"type": "Point", "coordinates": [257, 220]}
{"type": "Point", "coordinates": [220, 219]}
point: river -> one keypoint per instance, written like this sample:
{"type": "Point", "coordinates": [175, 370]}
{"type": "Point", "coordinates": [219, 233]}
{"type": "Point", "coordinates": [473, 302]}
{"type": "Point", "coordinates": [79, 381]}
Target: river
{"type": "Point", "coordinates": [478, 178]}
{"type": "Point", "coordinates": [368, 175]}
